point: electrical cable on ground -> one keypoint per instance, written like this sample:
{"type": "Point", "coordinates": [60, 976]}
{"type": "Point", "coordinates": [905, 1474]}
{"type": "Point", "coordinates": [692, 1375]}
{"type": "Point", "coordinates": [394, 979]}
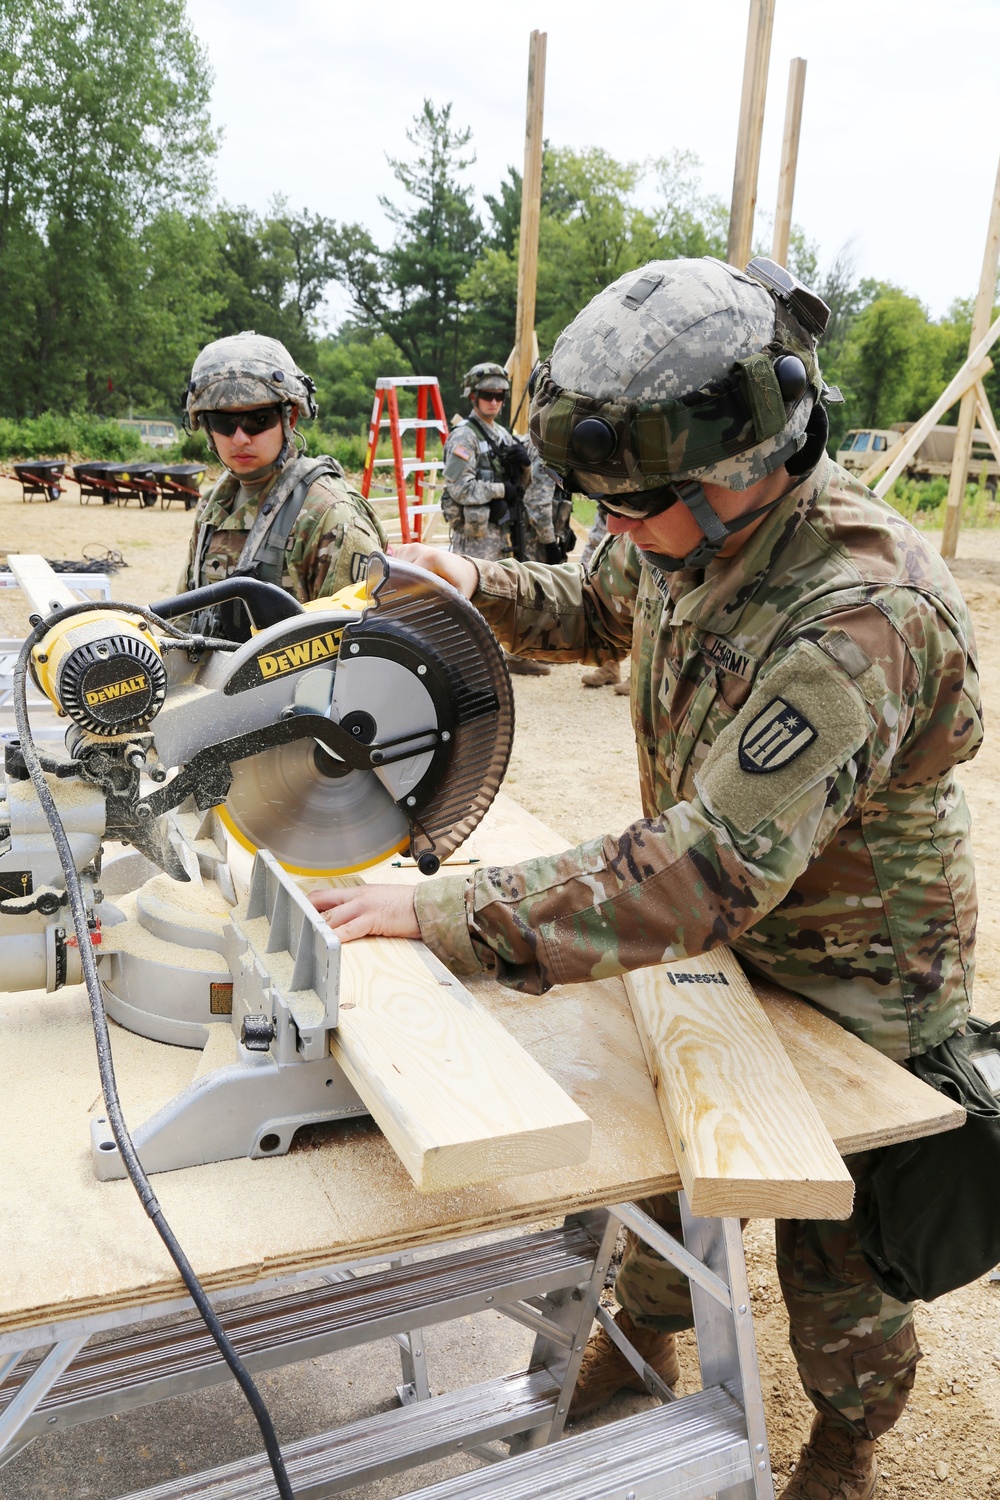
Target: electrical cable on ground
{"type": "Point", "coordinates": [109, 1085]}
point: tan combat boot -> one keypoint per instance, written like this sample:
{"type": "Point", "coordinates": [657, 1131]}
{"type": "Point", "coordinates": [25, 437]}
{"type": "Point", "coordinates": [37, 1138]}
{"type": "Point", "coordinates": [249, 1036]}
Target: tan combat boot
{"type": "Point", "coordinates": [623, 688]}
{"type": "Point", "coordinates": [522, 666]}
{"type": "Point", "coordinates": [604, 1371]}
{"type": "Point", "coordinates": [602, 676]}
{"type": "Point", "coordinates": [835, 1464]}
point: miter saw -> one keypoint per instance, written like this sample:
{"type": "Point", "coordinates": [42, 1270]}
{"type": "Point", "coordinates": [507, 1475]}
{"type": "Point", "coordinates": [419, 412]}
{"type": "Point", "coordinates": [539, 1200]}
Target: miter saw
{"type": "Point", "coordinates": [377, 721]}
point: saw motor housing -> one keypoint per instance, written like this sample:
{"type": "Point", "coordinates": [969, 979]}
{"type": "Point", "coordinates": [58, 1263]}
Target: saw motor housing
{"type": "Point", "coordinates": [104, 670]}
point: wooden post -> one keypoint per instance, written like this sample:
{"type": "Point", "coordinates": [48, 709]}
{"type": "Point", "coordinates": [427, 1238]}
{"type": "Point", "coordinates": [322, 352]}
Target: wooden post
{"type": "Point", "coordinates": [967, 411]}
{"type": "Point", "coordinates": [751, 125]}
{"type": "Point", "coordinates": [789, 159]}
{"type": "Point", "coordinates": [522, 359]}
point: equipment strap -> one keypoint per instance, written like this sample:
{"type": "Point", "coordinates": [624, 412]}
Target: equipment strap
{"type": "Point", "coordinates": [264, 549]}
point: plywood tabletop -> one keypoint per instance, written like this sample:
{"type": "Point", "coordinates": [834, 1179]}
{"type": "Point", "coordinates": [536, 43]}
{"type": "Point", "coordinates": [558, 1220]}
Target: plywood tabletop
{"type": "Point", "coordinates": [72, 1247]}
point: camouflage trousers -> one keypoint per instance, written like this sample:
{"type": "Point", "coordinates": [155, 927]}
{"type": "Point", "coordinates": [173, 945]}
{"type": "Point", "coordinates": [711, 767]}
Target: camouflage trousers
{"type": "Point", "coordinates": [492, 547]}
{"type": "Point", "coordinates": [856, 1347]}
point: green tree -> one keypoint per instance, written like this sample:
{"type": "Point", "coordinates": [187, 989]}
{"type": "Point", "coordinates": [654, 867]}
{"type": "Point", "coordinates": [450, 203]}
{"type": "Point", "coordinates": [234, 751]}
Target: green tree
{"type": "Point", "coordinates": [347, 365]}
{"type": "Point", "coordinates": [410, 292]}
{"type": "Point", "coordinates": [271, 273]}
{"type": "Point", "coordinates": [104, 128]}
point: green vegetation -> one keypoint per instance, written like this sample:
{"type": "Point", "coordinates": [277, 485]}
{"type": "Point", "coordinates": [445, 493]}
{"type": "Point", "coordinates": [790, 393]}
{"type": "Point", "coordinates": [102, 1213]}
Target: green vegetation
{"type": "Point", "coordinates": [116, 264]}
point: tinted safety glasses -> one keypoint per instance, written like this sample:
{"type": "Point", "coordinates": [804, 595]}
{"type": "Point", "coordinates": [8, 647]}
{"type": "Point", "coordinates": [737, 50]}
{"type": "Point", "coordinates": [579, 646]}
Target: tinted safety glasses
{"type": "Point", "coordinates": [258, 419]}
{"type": "Point", "coordinates": [641, 505]}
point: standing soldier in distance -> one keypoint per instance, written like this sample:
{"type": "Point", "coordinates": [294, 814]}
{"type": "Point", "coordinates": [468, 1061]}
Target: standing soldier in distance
{"type": "Point", "coordinates": [548, 535]}
{"type": "Point", "coordinates": [610, 673]}
{"type": "Point", "coordinates": [275, 514]}
{"type": "Point", "coordinates": [805, 688]}
{"type": "Point", "coordinates": [484, 473]}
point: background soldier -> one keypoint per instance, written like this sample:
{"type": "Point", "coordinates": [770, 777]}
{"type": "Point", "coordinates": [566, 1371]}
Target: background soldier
{"type": "Point", "coordinates": [548, 535]}
{"type": "Point", "coordinates": [610, 674]}
{"type": "Point", "coordinates": [275, 514]}
{"type": "Point", "coordinates": [485, 473]}
{"type": "Point", "coordinates": [806, 686]}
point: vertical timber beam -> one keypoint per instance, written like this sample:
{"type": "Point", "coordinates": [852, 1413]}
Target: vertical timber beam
{"type": "Point", "coordinates": [755, 67]}
{"type": "Point", "coordinates": [967, 411]}
{"type": "Point", "coordinates": [522, 360]}
{"type": "Point", "coordinates": [789, 159]}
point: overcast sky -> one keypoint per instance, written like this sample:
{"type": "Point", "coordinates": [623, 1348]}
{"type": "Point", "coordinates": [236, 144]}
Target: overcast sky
{"type": "Point", "coordinates": [900, 131]}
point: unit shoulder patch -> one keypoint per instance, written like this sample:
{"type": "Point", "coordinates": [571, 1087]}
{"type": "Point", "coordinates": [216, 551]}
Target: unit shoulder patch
{"type": "Point", "coordinates": [776, 737]}
{"type": "Point", "coordinates": [802, 724]}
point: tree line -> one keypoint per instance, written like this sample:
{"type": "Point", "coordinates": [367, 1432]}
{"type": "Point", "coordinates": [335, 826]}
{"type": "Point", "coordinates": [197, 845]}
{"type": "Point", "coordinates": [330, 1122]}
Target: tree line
{"type": "Point", "coordinates": [117, 264]}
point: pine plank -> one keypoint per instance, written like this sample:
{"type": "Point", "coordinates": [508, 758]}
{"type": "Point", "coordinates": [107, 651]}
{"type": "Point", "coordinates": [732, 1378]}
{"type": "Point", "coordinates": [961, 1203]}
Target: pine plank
{"type": "Point", "coordinates": [459, 1100]}
{"type": "Point", "coordinates": [747, 1137]}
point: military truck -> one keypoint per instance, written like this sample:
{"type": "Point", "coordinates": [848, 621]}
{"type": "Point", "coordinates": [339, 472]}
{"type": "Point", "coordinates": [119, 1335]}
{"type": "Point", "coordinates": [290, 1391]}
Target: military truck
{"type": "Point", "coordinates": [863, 445]}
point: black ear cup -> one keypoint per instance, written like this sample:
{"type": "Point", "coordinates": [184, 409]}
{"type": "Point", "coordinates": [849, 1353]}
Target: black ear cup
{"type": "Point", "coordinates": [792, 377]}
{"type": "Point", "coordinates": [593, 441]}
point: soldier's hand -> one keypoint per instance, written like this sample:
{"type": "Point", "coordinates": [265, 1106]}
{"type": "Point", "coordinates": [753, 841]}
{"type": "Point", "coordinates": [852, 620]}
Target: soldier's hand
{"type": "Point", "coordinates": [555, 553]}
{"type": "Point", "coordinates": [460, 572]}
{"type": "Point", "coordinates": [368, 911]}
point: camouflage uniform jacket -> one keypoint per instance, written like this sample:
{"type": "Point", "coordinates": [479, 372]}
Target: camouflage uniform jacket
{"type": "Point", "coordinates": [799, 710]}
{"type": "Point", "coordinates": [472, 479]}
{"type": "Point", "coordinates": [545, 516]}
{"type": "Point", "coordinates": [333, 534]}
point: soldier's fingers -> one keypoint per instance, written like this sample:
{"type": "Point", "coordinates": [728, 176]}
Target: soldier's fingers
{"type": "Point", "coordinates": [326, 897]}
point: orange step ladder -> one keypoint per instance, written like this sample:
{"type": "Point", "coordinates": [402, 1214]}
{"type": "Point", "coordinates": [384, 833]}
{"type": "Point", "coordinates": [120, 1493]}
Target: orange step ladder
{"type": "Point", "coordinates": [413, 506]}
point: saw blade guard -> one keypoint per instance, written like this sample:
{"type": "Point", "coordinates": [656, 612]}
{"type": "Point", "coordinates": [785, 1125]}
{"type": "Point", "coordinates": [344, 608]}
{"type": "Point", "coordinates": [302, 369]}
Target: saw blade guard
{"type": "Point", "coordinates": [419, 679]}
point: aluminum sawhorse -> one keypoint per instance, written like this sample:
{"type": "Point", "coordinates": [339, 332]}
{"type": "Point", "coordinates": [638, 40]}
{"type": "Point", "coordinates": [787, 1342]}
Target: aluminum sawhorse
{"type": "Point", "coordinates": [710, 1443]}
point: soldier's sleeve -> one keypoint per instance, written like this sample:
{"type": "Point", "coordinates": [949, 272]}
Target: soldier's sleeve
{"type": "Point", "coordinates": [827, 725]}
{"type": "Point", "coordinates": [473, 495]}
{"type": "Point", "coordinates": [539, 500]}
{"type": "Point", "coordinates": [558, 613]}
{"type": "Point", "coordinates": [332, 540]}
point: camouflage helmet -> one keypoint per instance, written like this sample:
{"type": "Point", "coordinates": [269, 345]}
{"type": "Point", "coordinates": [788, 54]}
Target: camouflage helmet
{"type": "Point", "coordinates": [682, 370]}
{"type": "Point", "coordinates": [487, 373]}
{"type": "Point", "coordinates": [244, 370]}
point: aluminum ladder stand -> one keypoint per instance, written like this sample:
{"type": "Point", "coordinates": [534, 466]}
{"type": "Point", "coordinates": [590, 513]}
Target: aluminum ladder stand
{"type": "Point", "coordinates": [711, 1443]}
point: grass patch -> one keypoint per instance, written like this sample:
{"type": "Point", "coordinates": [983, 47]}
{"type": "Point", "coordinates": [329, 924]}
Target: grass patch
{"type": "Point", "coordinates": [924, 503]}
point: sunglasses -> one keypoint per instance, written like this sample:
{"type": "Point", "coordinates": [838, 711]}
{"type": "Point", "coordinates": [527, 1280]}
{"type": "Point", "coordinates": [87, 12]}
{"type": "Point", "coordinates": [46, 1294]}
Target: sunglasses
{"type": "Point", "coordinates": [640, 505]}
{"type": "Point", "coordinates": [258, 419]}
{"type": "Point", "coordinates": [500, 396]}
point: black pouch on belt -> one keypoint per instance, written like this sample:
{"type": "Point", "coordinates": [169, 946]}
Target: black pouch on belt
{"type": "Point", "coordinates": [927, 1213]}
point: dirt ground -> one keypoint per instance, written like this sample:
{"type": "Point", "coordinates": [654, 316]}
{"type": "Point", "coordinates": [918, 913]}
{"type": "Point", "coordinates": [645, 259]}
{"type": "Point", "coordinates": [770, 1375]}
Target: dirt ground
{"type": "Point", "coordinates": [574, 766]}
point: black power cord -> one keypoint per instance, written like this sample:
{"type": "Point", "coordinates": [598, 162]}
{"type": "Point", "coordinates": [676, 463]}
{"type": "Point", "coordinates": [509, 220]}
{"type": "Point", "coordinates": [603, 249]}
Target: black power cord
{"type": "Point", "coordinates": [105, 1062]}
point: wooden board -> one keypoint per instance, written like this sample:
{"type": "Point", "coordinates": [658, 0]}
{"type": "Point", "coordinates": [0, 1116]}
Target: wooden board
{"type": "Point", "coordinates": [459, 1100]}
{"type": "Point", "coordinates": [747, 1137]}
{"type": "Point", "coordinates": [864, 1099]}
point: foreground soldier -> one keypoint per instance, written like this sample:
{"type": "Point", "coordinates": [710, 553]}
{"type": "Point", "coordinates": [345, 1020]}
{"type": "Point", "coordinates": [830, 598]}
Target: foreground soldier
{"type": "Point", "coordinates": [275, 515]}
{"type": "Point", "coordinates": [804, 687]}
{"type": "Point", "coordinates": [484, 480]}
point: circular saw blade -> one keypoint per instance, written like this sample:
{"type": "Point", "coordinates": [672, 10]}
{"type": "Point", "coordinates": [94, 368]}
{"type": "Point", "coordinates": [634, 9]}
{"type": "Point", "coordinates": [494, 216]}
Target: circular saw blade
{"type": "Point", "coordinates": [314, 824]}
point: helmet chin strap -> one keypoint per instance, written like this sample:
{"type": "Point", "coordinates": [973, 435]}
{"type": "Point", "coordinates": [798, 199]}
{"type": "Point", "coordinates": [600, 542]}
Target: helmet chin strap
{"type": "Point", "coordinates": [716, 532]}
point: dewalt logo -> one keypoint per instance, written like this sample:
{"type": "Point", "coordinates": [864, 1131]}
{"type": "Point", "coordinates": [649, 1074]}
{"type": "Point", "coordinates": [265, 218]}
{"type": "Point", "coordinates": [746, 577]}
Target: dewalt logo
{"type": "Point", "coordinates": [113, 690]}
{"type": "Point", "coordinates": [300, 654]}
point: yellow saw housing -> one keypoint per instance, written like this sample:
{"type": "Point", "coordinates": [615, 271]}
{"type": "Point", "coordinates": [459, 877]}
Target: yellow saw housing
{"type": "Point", "coordinates": [103, 669]}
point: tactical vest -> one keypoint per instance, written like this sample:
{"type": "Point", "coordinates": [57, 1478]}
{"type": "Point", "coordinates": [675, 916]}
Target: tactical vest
{"type": "Point", "coordinates": [263, 553]}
